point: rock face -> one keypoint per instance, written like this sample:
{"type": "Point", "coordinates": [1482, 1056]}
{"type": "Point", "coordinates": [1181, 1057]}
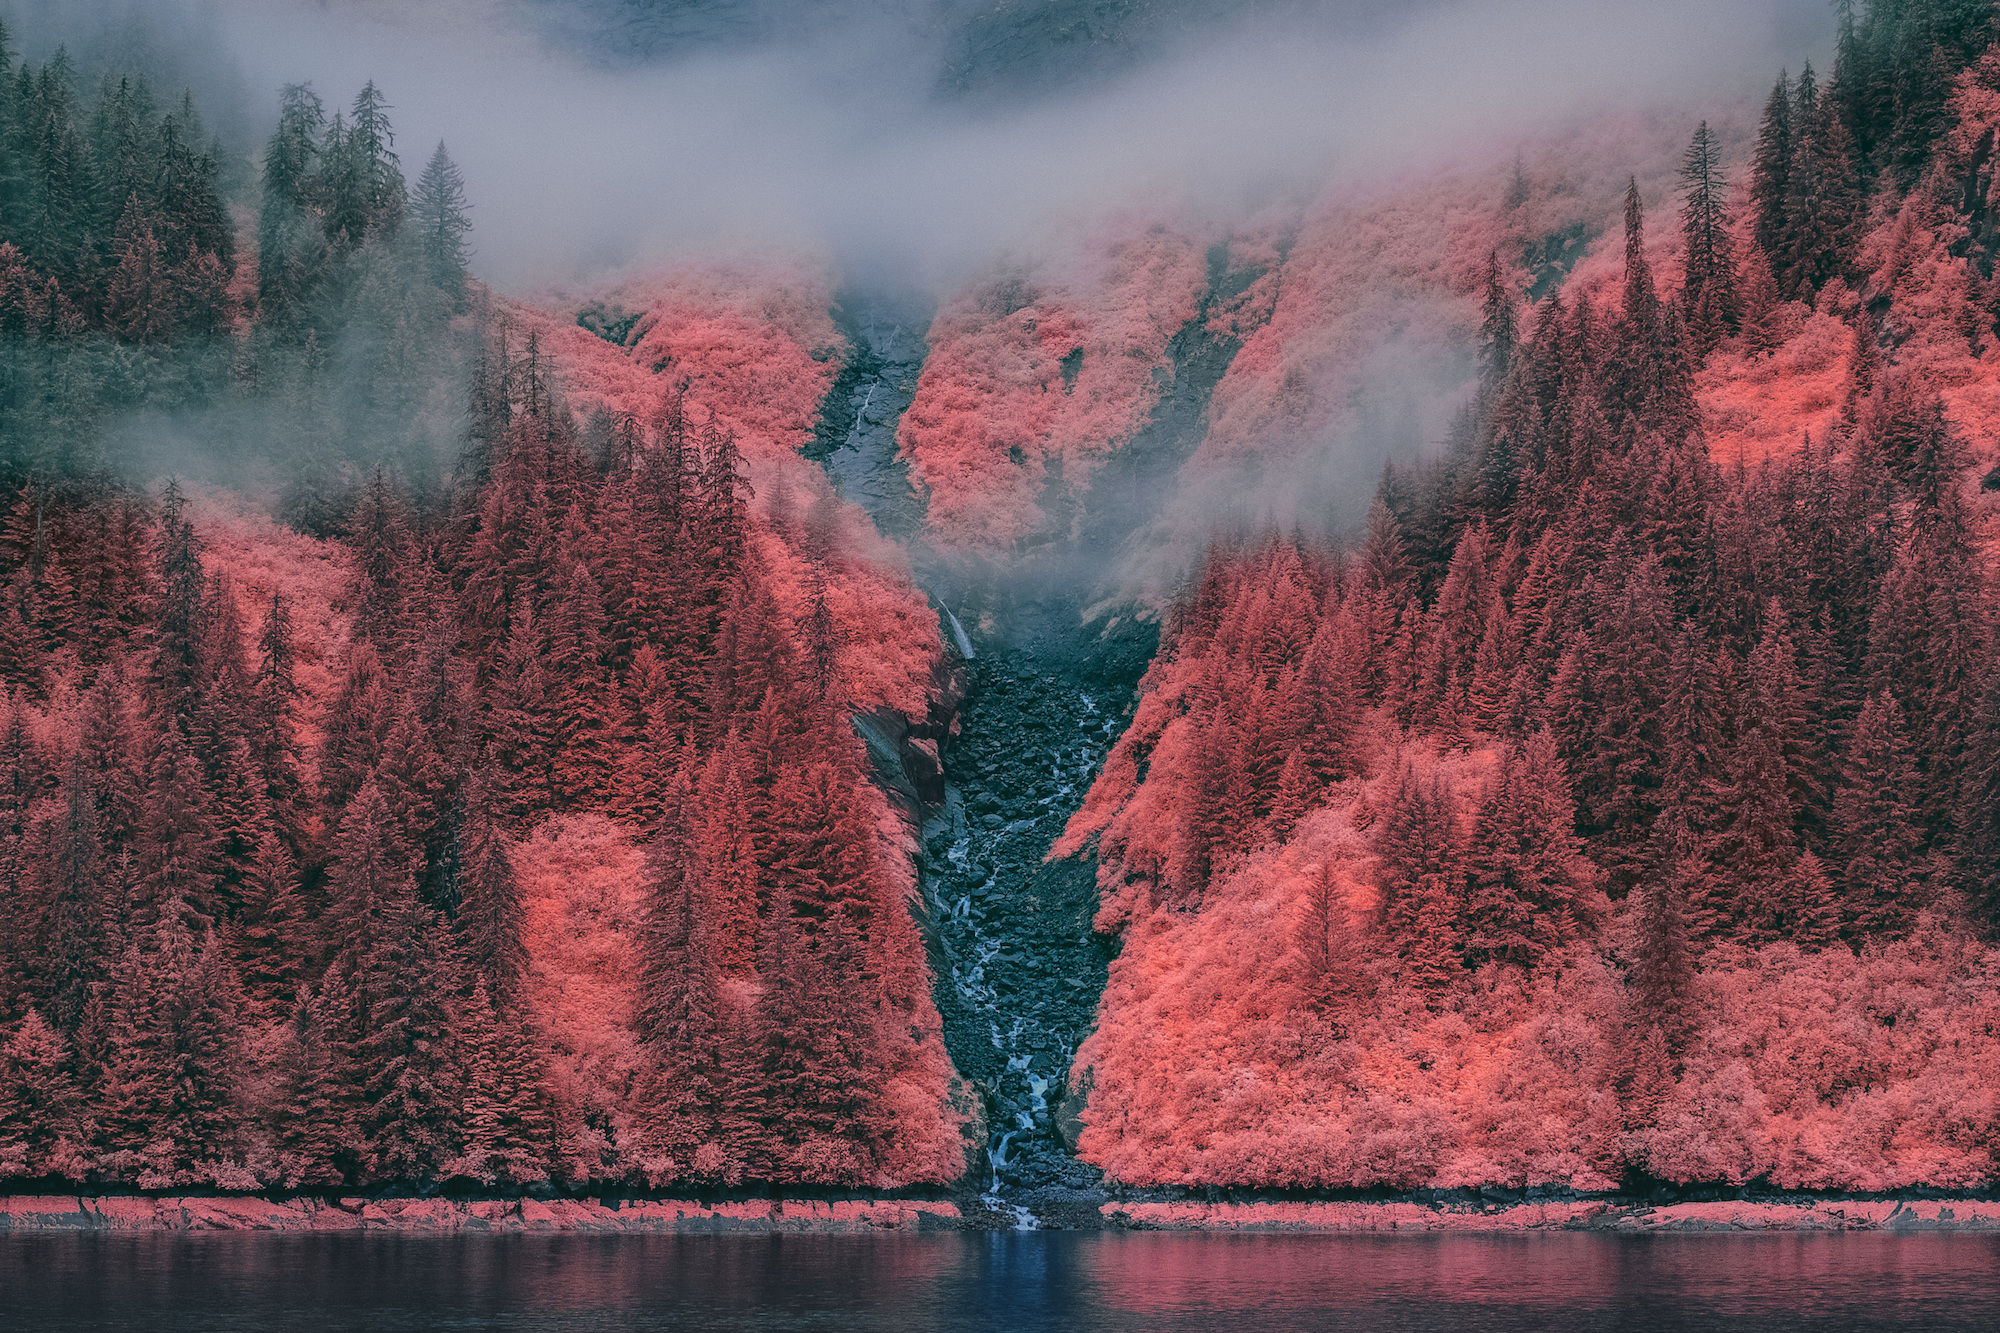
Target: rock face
{"type": "Point", "coordinates": [133, 1213]}
{"type": "Point", "coordinates": [1069, 1111]}
{"type": "Point", "coordinates": [906, 753]}
{"type": "Point", "coordinates": [923, 768]}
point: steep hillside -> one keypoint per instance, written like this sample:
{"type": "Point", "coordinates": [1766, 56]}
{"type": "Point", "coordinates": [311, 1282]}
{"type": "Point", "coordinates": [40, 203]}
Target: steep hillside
{"type": "Point", "coordinates": [1479, 678]}
{"type": "Point", "coordinates": [1617, 809]}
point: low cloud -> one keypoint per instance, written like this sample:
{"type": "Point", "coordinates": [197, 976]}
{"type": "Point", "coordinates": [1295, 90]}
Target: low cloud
{"type": "Point", "coordinates": [831, 135]}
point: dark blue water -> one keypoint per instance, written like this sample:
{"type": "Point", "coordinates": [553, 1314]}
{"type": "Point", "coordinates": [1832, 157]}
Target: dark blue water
{"type": "Point", "coordinates": [1122, 1281]}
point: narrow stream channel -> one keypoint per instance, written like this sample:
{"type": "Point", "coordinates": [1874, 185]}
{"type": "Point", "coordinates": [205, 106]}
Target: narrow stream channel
{"type": "Point", "coordinates": [1020, 971]}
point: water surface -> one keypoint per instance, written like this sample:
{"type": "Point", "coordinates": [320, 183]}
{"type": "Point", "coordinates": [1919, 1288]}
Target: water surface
{"type": "Point", "coordinates": [1108, 1281]}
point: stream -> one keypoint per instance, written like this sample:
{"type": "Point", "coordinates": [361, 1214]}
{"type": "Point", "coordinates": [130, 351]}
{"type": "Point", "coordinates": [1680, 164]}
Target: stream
{"type": "Point", "coordinates": [1019, 968]}
{"type": "Point", "coordinates": [1025, 968]}
{"type": "Point", "coordinates": [1019, 971]}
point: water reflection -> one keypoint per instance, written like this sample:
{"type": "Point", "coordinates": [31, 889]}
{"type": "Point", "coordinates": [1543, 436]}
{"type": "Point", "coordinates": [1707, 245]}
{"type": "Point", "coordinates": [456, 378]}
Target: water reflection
{"type": "Point", "coordinates": [1114, 1281]}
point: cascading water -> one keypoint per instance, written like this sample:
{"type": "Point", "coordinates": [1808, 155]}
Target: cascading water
{"type": "Point", "coordinates": [958, 635]}
{"type": "Point", "coordinates": [1025, 969]}
{"type": "Point", "coordinates": [1020, 970]}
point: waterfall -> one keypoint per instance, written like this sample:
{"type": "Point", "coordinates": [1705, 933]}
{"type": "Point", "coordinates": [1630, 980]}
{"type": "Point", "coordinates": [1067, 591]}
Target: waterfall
{"type": "Point", "coordinates": [959, 636]}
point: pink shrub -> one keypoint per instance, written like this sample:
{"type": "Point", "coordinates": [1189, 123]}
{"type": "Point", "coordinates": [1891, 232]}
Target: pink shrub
{"type": "Point", "coordinates": [1053, 370]}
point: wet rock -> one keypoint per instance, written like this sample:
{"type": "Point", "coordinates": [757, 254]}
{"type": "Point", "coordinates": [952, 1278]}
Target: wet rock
{"type": "Point", "coordinates": [1069, 1110]}
{"type": "Point", "coordinates": [412, 1215]}
{"type": "Point", "coordinates": [243, 1215]}
{"type": "Point", "coordinates": [923, 768]}
{"type": "Point", "coordinates": [44, 1212]}
{"type": "Point", "coordinates": [117, 1212]}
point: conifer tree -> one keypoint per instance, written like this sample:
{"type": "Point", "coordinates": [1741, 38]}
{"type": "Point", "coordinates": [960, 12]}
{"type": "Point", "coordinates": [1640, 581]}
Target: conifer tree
{"type": "Point", "coordinates": [681, 1015]}
{"type": "Point", "coordinates": [1530, 889]}
{"type": "Point", "coordinates": [1808, 904]}
{"type": "Point", "coordinates": [721, 853]}
{"type": "Point", "coordinates": [821, 1116]}
{"type": "Point", "coordinates": [1331, 958]}
{"type": "Point", "coordinates": [1326, 709]}
{"type": "Point", "coordinates": [167, 1097]}
{"type": "Point", "coordinates": [1693, 788]}
{"type": "Point", "coordinates": [1641, 303]}
{"type": "Point", "coordinates": [139, 301]}
{"type": "Point", "coordinates": [76, 958]}
{"type": "Point", "coordinates": [379, 535]}
{"type": "Point", "coordinates": [415, 780]}
{"type": "Point", "coordinates": [179, 630]}
{"type": "Point", "coordinates": [116, 754]}
{"type": "Point", "coordinates": [1978, 847]}
{"type": "Point", "coordinates": [1216, 809]}
{"type": "Point", "coordinates": [1498, 328]}
{"type": "Point", "coordinates": [584, 712]}
{"type": "Point", "coordinates": [1457, 619]}
{"type": "Point", "coordinates": [1775, 779]}
{"type": "Point", "coordinates": [1663, 959]}
{"type": "Point", "coordinates": [273, 936]}
{"type": "Point", "coordinates": [176, 844]}
{"type": "Point", "coordinates": [1507, 449]}
{"type": "Point", "coordinates": [1770, 178]}
{"type": "Point", "coordinates": [219, 735]}
{"type": "Point", "coordinates": [1823, 198]}
{"type": "Point", "coordinates": [316, 1138]}
{"type": "Point", "coordinates": [357, 726]}
{"type": "Point", "coordinates": [822, 639]}
{"type": "Point", "coordinates": [1708, 284]}
{"type": "Point", "coordinates": [289, 239]}
{"type": "Point", "coordinates": [1931, 623]}
{"type": "Point", "coordinates": [274, 693]}
{"type": "Point", "coordinates": [361, 177]}
{"type": "Point", "coordinates": [814, 848]}
{"type": "Point", "coordinates": [522, 743]}
{"type": "Point", "coordinates": [371, 868]}
{"type": "Point", "coordinates": [506, 1127]}
{"type": "Point", "coordinates": [1759, 845]}
{"type": "Point", "coordinates": [406, 1069]}
{"type": "Point", "coordinates": [56, 230]}
{"type": "Point", "coordinates": [1646, 1072]}
{"type": "Point", "coordinates": [1877, 842]}
{"type": "Point", "coordinates": [1421, 876]}
{"type": "Point", "coordinates": [1761, 300]}
{"type": "Point", "coordinates": [440, 217]}
{"type": "Point", "coordinates": [1609, 724]}
{"type": "Point", "coordinates": [42, 1119]}
{"type": "Point", "coordinates": [489, 912]}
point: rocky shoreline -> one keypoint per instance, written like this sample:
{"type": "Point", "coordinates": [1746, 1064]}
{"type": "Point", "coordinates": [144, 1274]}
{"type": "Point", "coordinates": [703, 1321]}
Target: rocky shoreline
{"type": "Point", "coordinates": [23, 1213]}
{"type": "Point", "coordinates": [114, 1212]}
{"type": "Point", "coordinates": [1739, 1215]}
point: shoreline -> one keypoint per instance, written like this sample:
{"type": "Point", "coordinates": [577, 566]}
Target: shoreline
{"type": "Point", "coordinates": [45, 1213]}
{"type": "Point", "coordinates": [1598, 1215]}
{"type": "Point", "coordinates": [175, 1213]}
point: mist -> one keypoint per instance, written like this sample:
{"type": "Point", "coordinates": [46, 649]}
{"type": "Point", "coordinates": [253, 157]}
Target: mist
{"type": "Point", "coordinates": [870, 136]}
{"type": "Point", "coordinates": [832, 135]}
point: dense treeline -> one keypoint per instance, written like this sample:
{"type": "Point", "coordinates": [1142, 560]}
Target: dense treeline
{"type": "Point", "coordinates": [1727, 662]}
{"type": "Point", "coordinates": [228, 960]}
{"type": "Point", "coordinates": [125, 286]}
{"type": "Point", "coordinates": [239, 949]}
{"type": "Point", "coordinates": [1592, 698]}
